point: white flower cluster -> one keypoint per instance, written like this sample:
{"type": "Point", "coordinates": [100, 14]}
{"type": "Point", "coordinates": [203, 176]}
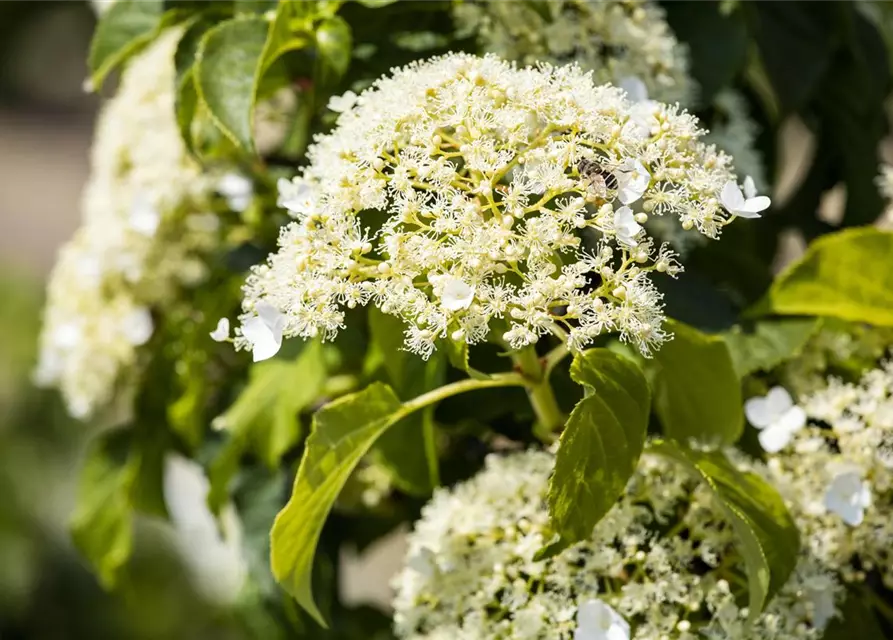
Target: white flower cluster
{"type": "Point", "coordinates": [837, 473]}
{"type": "Point", "coordinates": [662, 564]}
{"type": "Point", "coordinates": [144, 225]}
{"type": "Point", "coordinates": [616, 40]}
{"type": "Point", "coordinates": [463, 189]}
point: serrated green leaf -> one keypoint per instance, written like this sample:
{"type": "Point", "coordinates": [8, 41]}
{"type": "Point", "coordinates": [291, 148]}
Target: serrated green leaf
{"type": "Point", "coordinates": [767, 536]}
{"type": "Point", "coordinates": [600, 445]}
{"type": "Point", "coordinates": [265, 416]}
{"type": "Point", "coordinates": [127, 26]}
{"type": "Point", "coordinates": [343, 432]}
{"type": "Point", "coordinates": [697, 394]}
{"type": "Point", "coordinates": [408, 448]}
{"type": "Point", "coordinates": [846, 275]}
{"type": "Point", "coordinates": [227, 75]}
{"type": "Point", "coordinates": [771, 343]}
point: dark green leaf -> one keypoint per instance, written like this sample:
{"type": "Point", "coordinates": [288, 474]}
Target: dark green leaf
{"type": "Point", "coordinates": [408, 449]}
{"type": "Point", "coordinates": [457, 354]}
{"type": "Point", "coordinates": [857, 619]}
{"type": "Point", "coordinates": [127, 26]}
{"type": "Point", "coordinates": [696, 390]}
{"type": "Point", "coordinates": [227, 75]}
{"type": "Point", "coordinates": [771, 343]}
{"type": "Point", "coordinates": [767, 537]}
{"type": "Point", "coordinates": [846, 275]}
{"type": "Point", "coordinates": [343, 432]}
{"type": "Point", "coordinates": [601, 443]}
{"type": "Point", "coordinates": [374, 4]}
{"type": "Point", "coordinates": [281, 37]}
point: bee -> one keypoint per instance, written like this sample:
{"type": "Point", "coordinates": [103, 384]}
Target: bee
{"type": "Point", "coordinates": [593, 171]}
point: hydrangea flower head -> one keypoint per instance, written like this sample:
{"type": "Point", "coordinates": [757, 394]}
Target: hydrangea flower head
{"type": "Point", "coordinates": [837, 474]}
{"type": "Point", "coordinates": [464, 190]}
{"type": "Point", "coordinates": [663, 563]}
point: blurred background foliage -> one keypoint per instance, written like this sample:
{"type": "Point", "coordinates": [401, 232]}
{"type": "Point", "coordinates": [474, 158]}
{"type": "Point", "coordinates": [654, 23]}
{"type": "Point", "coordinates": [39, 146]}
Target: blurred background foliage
{"type": "Point", "coordinates": [816, 76]}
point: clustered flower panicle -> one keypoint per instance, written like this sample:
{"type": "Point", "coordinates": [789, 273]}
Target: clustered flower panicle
{"type": "Point", "coordinates": [616, 40]}
{"type": "Point", "coordinates": [144, 226]}
{"type": "Point", "coordinates": [836, 473]}
{"type": "Point", "coordinates": [662, 564]}
{"type": "Point", "coordinates": [463, 191]}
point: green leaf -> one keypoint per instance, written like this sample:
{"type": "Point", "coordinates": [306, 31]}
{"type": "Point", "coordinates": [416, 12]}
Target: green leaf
{"type": "Point", "coordinates": [457, 354]}
{"type": "Point", "coordinates": [333, 40]}
{"type": "Point", "coordinates": [281, 39]}
{"type": "Point", "coordinates": [601, 443]}
{"type": "Point", "coordinates": [696, 389]}
{"type": "Point", "coordinates": [227, 74]}
{"type": "Point", "coordinates": [127, 26]}
{"type": "Point", "coordinates": [857, 618]}
{"type": "Point", "coordinates": [771, 343]}
{"type": "Point", "coordinates": [767, 536]}
{"type": "Point", "coordinates": [846, 275]}
{"type": "Point", "coordinates": [375, 4]}
{"type": "Point", "coordinates": [265, 416]}
{"type": "Point", "coordinates": [186, 100]}
{"type": "Point", "coordinates": [408, 449]}
{"type": "Point", "coordinates": [342, 433]}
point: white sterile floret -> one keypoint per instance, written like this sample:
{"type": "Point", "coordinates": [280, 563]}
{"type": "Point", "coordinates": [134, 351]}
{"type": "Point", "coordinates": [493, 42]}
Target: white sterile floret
{"type": "Point", "coordinates": [264, 332]}
{"type": "Point", "coordinates": [221, 332]}
{"type": "Point", "coordinates": [777, 418]}
{"type": "Point", "coordinates": [745, 205]}
{"type": "Point", "coordinates": [463, 189]}
{"type": "Point", "coordinates": [237, 189]}
{"type": "Point", "coordinates": [837, 478]}
{"type": "Point", "coordinates": [143, 235]}
{"type": "Point", "coordinates": [663, 563]}
{"type": "Point", "coordinates": [621, 42]}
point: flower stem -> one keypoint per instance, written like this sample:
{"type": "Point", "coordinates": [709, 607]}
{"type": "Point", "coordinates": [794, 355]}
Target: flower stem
{"type": "Point", "coordinates": [454, 388]}
{"type": "Point", "coordinates": [548, 415]}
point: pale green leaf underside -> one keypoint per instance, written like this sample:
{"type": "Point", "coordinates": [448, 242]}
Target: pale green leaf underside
{"type": "Point", "coordinates": [122, 30]}
{"type": "Point", "coordinates": [343, 432]}
{"type": "Point", "coordinates": [846, 275]}
{"type": "Point", "coordinates": [601, 442]}
{"type": "Point", "coordinates": [768, 539]}
{"type": "Point", "coordinates": [697, 394]}
{"type": "Point", "coordinates": [771, 343]}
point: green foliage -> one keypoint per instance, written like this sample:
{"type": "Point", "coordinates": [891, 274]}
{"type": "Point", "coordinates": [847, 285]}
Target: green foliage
{"type": "Point", "coordinates": [600, 445]}
{"type": "Point", "coordinates": [768, 539]}
{"type": "Point", "coordinates": [408, 449]}
{"type": "Point", "coordinates": [343, 432]}
{"type": "Point", "coordinates": [227, 75]}
{"type": "Point", "coordinates": [126, 27]}
{"type": "Point", "coordinates": [769, 344]}
{"type": "Point", "coordinates": [265, 416]}
{"type": "Point", "coordinates": [840, 276]}
{"type": "Point", "coordinates": [696, 390]}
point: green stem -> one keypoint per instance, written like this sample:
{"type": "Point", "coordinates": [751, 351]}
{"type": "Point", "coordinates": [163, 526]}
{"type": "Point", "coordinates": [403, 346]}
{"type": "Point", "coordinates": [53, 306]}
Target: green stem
{"type": "Point", "coordinates": [542, 398]}
{"type": "Point", "coordinates": [454, 388]}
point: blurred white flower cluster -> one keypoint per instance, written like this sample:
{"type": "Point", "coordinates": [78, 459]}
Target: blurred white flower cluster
{"type": "Point", "coordinates": [145, 222]}
{"type": "Point", "coordinates": [463, 190]}
{"type": "Point", "coordinates": [616, 40]}
{"type": "Point", "coordinates": [836, 473]}
{"type": "Point", "coordinates": [661, 564]}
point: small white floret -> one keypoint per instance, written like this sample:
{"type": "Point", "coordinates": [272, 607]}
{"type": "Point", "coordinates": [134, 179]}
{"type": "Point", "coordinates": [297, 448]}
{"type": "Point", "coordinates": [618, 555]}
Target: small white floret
{"type": "Point", "coordinates": [598, 621]}
{"type": "Point", "coordinates": [777, 418]}
{"type": "Point", "coordinates": [735, 201]}
{"type": "Point", "coordinates": [221, 333]}
{"type": "Point", "coordinates": [848, 496]}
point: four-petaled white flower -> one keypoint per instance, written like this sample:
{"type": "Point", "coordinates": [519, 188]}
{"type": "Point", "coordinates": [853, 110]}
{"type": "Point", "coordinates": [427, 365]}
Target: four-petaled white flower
{"type": "Point", "coordinates": [626, 227]}
{"type": "Point", "coordinates": [264, 331]}
{"type": "Point", "coordinates": [598, 621]}
{"type": "Point", "coordinates": [632, 181]}
{"type": "Point", "coordinates": [144, 217]}
{"type": "Point", "coordinates": [138, 327]}
{"type": "Point", "coordinates": [342, 103]}
{"type": "Point", "coordinates": [455, 294]}
{"type": "Point", "coordinates": [221, 333]}
{"type": "Point", "coordinates": [777, 417]}
{"type": "Point", "coordinates": [296, 197]}
{"type": "Point", "coordinates": [848, 496]}
{"type": "Point", "coordinates": [237, 189]}
{"type": "Point", "coordinates": [744, 205]}
{"type": "Point", "coordinates": [423, 562]}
